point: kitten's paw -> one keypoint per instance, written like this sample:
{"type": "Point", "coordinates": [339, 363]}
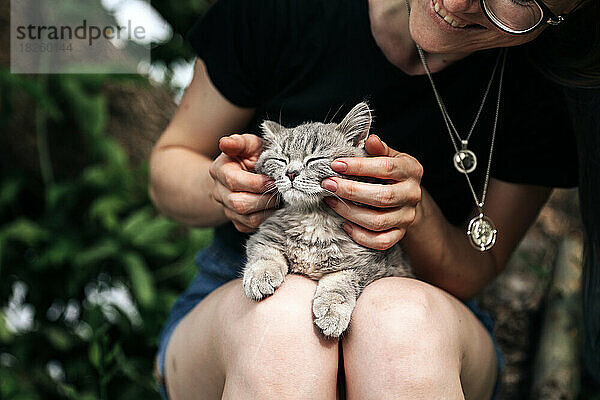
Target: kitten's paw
{"type": "Point", "coordinates": [332, 312]}
{"type": "Point", "coordinates": [261, 278]}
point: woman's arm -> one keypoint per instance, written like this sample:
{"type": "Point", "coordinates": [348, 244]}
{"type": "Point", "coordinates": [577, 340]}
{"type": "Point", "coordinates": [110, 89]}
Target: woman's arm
{"type": "Point", "coordinates": [180, 184]}
{"type": "Point", "coordinates": [440, 253]}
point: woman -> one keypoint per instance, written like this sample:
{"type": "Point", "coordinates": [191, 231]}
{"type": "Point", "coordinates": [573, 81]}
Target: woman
{"type": "Point", "coordinates": [302, 60]}
{"type": "Point", "coordinates": [570, 56]}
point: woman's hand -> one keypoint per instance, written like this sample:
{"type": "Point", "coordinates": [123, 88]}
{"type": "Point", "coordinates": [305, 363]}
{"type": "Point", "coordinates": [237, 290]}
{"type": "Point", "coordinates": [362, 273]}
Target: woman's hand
{"type": "Point", "coordinates": [396, 201]}
{"type": "Point", "coordinates": [240, 191]}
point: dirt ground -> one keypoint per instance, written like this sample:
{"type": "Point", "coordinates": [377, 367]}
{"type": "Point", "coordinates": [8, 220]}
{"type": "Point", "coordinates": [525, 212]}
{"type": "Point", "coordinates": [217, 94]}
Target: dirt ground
{"type": "Point", "coordinates": [516, 298]}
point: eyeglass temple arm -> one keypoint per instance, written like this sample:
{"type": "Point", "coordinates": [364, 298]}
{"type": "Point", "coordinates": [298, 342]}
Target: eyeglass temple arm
{"type": "Point", "coordinates": [554, 19]}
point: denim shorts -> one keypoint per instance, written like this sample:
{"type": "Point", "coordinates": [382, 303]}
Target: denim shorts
{"type": "Point", "coordinates": [218, 265]}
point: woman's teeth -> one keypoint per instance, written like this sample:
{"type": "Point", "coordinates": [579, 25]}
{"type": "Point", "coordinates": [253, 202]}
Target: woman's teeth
{"type": "Point", "coordinates": [449, 18]}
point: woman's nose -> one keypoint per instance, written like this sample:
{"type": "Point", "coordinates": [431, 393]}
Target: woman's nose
{"type": "Point", "coordinates": [459, 6]}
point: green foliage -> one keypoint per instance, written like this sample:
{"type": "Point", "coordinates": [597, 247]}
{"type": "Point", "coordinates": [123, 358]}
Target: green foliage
{"type": "Point", "coordinates": [74, 241]}
{"type": "Point", "coordinates": [71, 240]}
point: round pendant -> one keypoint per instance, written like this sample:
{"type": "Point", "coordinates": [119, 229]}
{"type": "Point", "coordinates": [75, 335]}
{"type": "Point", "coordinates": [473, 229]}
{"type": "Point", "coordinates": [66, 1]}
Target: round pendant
{"type": "Point", "coordinates": [465, 161]}
{"type": "Point", "coordinates": [482, 232]}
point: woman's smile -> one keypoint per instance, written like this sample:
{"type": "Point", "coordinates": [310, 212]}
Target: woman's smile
{"type": "Point", "coordinates": [445, 14]}
{"type": "Point", "coordinates": [447, 21]}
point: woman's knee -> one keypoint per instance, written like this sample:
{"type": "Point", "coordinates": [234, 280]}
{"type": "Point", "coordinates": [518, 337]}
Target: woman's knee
{"type": "Point", "coordinates": [284, 314]}
{"type": "Point", "coordinates": [404, 327]}
{"type": "Point", "coordinates": [277, 333]}
{"type": "Point", "coordinates": [404, 316]}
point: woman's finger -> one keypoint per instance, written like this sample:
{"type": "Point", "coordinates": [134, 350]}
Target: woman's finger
{"type": "Point", "coordinates": [374, 220]}
{"type": "Point", "coordinates": [242, 228]}
{"type": "Point", "coordinates": [397, 168]}
{"type": "Point", "coordinates": [232, 176]}
{"type": "Point", "coordinates": [244, 203]}
{"type": "Point", "coordinates": [245, 147]}
{"type": "Point", "coordinates": [374, 240]}
{"type": "Point", "coordinates": [233, 217]}
{"type": "Point", "coordinates": [395, 195]}
{"type": "Point", "coordinates": [248, 223]}
{"type": "Point", "coordinates": [377, 147]}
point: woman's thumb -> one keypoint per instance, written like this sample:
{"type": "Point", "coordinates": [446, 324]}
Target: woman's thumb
{"type": "Point", "coordinates": [241, 146]}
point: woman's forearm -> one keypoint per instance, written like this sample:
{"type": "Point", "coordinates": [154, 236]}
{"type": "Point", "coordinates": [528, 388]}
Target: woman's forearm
{"type": "Point", "coordinates": [181, 186]}
{"type": "Point", "coordinates": [441, 254]}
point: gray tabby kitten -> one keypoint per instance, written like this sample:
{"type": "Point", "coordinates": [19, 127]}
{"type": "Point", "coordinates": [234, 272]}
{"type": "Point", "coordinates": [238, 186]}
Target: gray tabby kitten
{"type": "Point", "coordinates": [305, 236]}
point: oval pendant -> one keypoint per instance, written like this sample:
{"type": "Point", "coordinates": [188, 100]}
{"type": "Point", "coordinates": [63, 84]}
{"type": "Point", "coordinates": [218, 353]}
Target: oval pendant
{"type": "Point", "coordinates": [465, 161]}
{"type": "Point", "coordinates": [482, 232]}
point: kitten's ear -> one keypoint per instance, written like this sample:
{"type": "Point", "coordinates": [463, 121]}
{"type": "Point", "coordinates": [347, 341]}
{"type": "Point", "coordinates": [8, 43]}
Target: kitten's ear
{"type": "Point", "coordinates": [355, 125]}
{"type": "Point", "coordinates": [271, 130]}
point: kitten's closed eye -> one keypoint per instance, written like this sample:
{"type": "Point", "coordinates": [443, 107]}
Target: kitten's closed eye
{"type": "Point", "coordinates": [277, 160]}
{"type": "Point", "coordinates": [315, 159]}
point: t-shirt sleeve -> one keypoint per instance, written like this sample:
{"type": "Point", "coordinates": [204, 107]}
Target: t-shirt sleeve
{"type": "Point", "coordinates": [536, 144]}
{"type": "Point", "coordinates": [239, 41]}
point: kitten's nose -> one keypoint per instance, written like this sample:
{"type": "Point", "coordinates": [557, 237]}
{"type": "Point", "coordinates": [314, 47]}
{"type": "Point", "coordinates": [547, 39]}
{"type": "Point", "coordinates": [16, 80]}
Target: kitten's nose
{"type": "Point", "coordinates": [293, 169]}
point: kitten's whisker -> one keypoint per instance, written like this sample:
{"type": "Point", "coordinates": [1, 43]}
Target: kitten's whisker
{"type": "Point", "coordinates": [276, 195]}
{"type": "Point", "coordinates": [269, 189]}
{"type": "Point", "coordinates": [267, 186]}
{"type": "Point", "coordinates": [337, 197]}
{"type": "Point", "coordinates": [336, 113]}
{"type": "Point", "coordinates": [266, 193]}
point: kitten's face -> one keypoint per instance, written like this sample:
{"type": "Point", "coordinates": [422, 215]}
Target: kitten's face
{"type": "Point", "coordinates": [299, 158]}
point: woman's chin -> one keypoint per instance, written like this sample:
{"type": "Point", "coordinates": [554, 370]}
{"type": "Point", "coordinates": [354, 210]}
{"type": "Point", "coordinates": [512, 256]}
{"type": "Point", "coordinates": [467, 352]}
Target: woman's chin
{"type": "Point", "coordinates": [430, 41]}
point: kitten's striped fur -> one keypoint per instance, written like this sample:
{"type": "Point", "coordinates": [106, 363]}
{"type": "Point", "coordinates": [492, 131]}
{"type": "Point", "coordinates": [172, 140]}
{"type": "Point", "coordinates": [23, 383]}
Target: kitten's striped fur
{"type": "Point", "coordinates": [305, 235]}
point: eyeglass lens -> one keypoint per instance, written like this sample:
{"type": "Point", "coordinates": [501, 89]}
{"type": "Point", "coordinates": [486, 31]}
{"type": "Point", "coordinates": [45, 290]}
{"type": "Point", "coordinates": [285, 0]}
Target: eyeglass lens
{"type": "Point", "coordinates": [514, 15]}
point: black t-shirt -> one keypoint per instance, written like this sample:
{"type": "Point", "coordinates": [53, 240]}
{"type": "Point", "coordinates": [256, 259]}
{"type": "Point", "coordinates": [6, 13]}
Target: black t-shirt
{"type": "Point", "coordinates": [312, 60]}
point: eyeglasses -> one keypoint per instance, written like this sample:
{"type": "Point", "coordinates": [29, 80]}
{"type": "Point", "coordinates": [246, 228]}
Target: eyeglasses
{"type": "Point", "coordinates": [520, 16]}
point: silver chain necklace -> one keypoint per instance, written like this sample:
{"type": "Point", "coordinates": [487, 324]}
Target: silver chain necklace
{"type": "Point", "coordinates": [481, 231]}
{"type": "Point", "coordinates": [464, 159]}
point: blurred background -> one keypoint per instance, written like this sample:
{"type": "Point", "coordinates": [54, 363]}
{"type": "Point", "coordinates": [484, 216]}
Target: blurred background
{"type": "Point", "coordinates": [89, 270]}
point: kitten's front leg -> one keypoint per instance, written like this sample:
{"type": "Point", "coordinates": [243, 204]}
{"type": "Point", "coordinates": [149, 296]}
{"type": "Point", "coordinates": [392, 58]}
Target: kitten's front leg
{"type": "Point", "coordinates": [334, 301]}
{"type": "Point", "coordinates": [265, 269]}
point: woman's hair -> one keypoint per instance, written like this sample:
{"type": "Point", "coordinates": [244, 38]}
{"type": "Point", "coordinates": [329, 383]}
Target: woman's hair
{"type": "Point", "coordinates": [569, 54]}
{"type": "Point", "coordinates": [584, 107]}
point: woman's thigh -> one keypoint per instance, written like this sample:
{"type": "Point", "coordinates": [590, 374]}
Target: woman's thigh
{"type": "Point", "coordinates": [409, 339]}
{"type": "Point", "coordinates": [229, 345]}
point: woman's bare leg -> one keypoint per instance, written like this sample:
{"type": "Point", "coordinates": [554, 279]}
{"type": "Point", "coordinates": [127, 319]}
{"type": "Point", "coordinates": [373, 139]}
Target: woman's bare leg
{"type": "Point", "coordinates": [410, 340]}
{"type": "Point", "coordinates": [233, 348]}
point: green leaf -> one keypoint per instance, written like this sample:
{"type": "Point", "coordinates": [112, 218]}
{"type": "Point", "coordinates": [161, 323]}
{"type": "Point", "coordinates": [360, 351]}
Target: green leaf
{"type": "Point", "coordinates": [166, 300]}
{"type": "Point", "coordinates": [9, 190]}
{"type": "Point", "coordinates": [6, 336]}
{"type": "Point", "coordinates": [200, 238]}
{"type": "Point", "coordinates": [136, 222]}
{"type": "Point", "coordinates": [59, 252]}
{"type": "Point", "coordinates": [100, 251]}
{"type": "Point", "coordinates": [110, 356]}
{"type": "Point", "coordinates": [142, 282]}
{"type": "Point", "coordinates": [96, 176]}
{"type": "Point", "coordinates": [109, 151]}
{"type": "Point", "coordinates": [38, 90]}
{"type": "Point", "coordinates": [105, 209]}
{"type": "Point", "coordinates": [69, 391]}
{"type": "Point", "coordinates": [59, 338]}
{"type": "Point", "coordinates": [152, 232]}
{"type": "Point", "coordinates": [25, 231]}
{"type": "Point", "coordinates": [58, 195]}
{"type": "Point", "coordinates": [164, 250]}
{"type": "Point", "coordinates": [94, 354]}
{"type": "Point", "coordinates": [89, 110]}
